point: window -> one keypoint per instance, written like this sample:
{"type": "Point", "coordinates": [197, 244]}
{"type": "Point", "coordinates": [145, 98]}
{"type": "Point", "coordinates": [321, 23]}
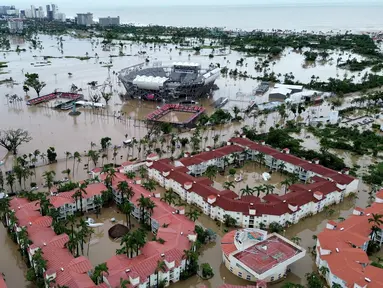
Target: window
{"type": "Point", "coordinates": [231, 269]}
{"type": "Point", "coordinates": [279, 276]}
{"type": "Point", "coordinates": [240, 274]}
{"type": "Point", "coordinates": [272, 278]}
{"type": "Point", "coordinates": [248, 277]}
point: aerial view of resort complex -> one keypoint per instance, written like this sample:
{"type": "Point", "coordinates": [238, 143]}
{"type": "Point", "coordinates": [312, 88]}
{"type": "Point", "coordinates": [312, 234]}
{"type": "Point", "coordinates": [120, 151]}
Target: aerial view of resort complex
{"type": "Point", "coordinates": [207, 144]}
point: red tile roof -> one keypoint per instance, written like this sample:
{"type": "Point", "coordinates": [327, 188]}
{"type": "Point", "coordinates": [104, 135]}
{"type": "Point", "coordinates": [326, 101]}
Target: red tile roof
{"type": "Point", "coordinates": [70, 271]}
{"type": "Point", "coordinates": [344, 261]}
{"type": "Point", "coordinates": [209, 155]}
{"type": "Point", "coordinates": [304, 164]}
{"type": "Point", "coordinates": [175, 236]}
{"type": "Point", "coordinates": [300, 194]}
{"type": "Point", "coordinates": [2, 282]}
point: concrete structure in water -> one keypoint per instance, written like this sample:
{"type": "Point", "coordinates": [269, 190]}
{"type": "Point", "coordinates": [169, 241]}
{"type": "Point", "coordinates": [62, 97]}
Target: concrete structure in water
{"type": "Point", "coordinates": [85, 19]}
{"type": "Point", "coordinates": [254, 255]}
{"type": "Point", "coordinates": [323, 186]}
{"type": "Point", "coordinates": [341, 248]}
{"type": "Point", "coordinates": [109, 21]}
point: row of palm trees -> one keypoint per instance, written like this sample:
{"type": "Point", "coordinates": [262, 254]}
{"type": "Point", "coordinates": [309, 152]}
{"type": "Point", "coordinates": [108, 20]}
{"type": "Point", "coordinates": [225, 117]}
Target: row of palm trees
{"type": "Point", "coordinates": [265, 188]}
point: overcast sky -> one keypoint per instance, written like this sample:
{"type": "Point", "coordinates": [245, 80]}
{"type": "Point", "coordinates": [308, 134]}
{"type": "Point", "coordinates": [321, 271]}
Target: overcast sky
{"type": "Point", "coordinates": [110, 4]}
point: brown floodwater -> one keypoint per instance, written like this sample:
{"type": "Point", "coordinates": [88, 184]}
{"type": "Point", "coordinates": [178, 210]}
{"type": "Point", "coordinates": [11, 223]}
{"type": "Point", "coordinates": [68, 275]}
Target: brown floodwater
{"type": "Point", "coordinates": [252, 176]}
{"type": "Point", "coordinates": [119, 120]}
{"type": "Point", "coordinates": [176, 117]}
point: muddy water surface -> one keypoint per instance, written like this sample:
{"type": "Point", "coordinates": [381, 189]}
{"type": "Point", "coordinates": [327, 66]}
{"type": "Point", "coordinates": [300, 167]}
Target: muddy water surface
{"type": "Point", "coordinates": [49, 127]}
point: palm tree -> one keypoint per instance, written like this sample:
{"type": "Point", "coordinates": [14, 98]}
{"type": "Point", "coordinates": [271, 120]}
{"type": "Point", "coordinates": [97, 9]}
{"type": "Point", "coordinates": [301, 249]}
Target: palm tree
{"type": "Point", "coordinates": [123, 283]}
{"type": "Point", "coordinates": [45, 205]}
{"type": "Point", "coordinates": [122, 188]}
{"type": "Point", "coordinates": [229, 184]}
{"type": "Point", "coordinates": [67, 156]}
{"type": "Point", "coordinates": [193, 214]}
{"type": "Point", "coordinates": [4, 207]}
{"type": "Point", "coordinates": [281, 167]}
{"type": "Point", "coordinates": [80, 193]}
{"type": "Point", "coordinates": [130, 174]}
{"type": "Point", "coordinates": [149, 185]}
{"type": "Point", "coordinates": [294, 178]}
{"type": "Point", "coordinates": [260, 157]}
{"type": "Point", "coordinates": [324, 270]}
{"type": "Point", "coordinates": [10, 180]}
{"type": "Point", "coordinates": [39, 263]}
{"type": "Point", "coordinates": [150, 208]}
{"type": "Point", "coordinates": [246, 191]}
{"type": "Point", "coordinates": [296, 240]}
{"type": "Point", "coordinates": [76, 156]}
{"type": "Point", "coordinates": [94, 155]}
{"type": "Point", "coordinates": [259, 189]}
{"type": "Point", "coordinates": [49, 178]}
{"type": "Point", "coordinates": [211, 172]}
{"type": "Point", "coordinates": [286, 184]}
{"type": "Point", "coordinates": [24, 241]}
{"type": "Point", "coordinates": [97, 276]}
{"type": "Point", "coordinates": [376, 221]}
{"type": "Point", "coordinates": [269, 189]}
{"type": "Point", "coordinates": [98, 202]}
{"type": "Point", "coordinates": [169, 197]}
{"type": "Point", "coordinates": [110, 175]}
{"type": "Point", "coordinates": [127, 208]}
{"type": "Point", "coordinates": [142, 203]}
{"type": "Point", "coordinates": [142, 171]}
{"type": "Point", "coordinates": [161, 266]}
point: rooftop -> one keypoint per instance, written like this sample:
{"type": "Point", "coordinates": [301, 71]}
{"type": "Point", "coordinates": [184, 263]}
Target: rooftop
{"type": "Point", "coordinates": [338, 177]}
{"type": "Point", "coordinates": [266, 254]}
{"type": "Point", "coordinates": [345, 259]}
{"type": "Point", "coordinates": [175, 236]}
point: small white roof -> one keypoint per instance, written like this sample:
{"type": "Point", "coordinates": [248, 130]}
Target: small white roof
{"type": "Point", "coordinates": [283, 91]}
{"type": "Point", "coordinates": [186, 64]}
{"type": "Point", "coordinates": [292, 87]}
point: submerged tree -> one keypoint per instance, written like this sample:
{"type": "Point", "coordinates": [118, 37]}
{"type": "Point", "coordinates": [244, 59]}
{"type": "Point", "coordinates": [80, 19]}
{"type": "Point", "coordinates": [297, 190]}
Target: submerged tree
{"type": "Point", "coordinates": [32, 81]}
{"type": "Point", "coordinates": [11, 139]}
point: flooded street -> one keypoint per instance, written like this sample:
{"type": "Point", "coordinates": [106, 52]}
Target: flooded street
{"type": "Point", "coordinates": [11, 263]}
{"type": "Point", "coordinates": [52, 128]}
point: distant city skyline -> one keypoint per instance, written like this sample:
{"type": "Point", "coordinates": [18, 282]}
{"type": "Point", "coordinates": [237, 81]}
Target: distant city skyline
{"type": "Point", "coordinates": [121, 3]}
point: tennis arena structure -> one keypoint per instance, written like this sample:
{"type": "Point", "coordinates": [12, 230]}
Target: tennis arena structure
{"type": "Point", "coordinates": [168, 83]}
{"type": "Point", "coordinates": [256, 256]}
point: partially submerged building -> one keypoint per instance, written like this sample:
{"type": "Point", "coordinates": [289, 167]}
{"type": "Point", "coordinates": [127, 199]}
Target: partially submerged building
{"type": "Point", "coordinates": [256, 256]}
{"type": "Point", "coordinates": [341, 248]}
{"type": "Point", "coordinates": [323, 186]}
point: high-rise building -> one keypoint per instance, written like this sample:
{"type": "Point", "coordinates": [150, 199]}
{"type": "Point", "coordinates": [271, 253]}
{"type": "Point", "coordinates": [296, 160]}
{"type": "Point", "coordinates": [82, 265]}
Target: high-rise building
{"type": "Point", "coordinates": [85, 19]}
{"type": "Point", "coordinates": [54, 11]}
{"type": "Point", "coordinates": [61, 17]}
{"type": "Point", "coordinates": [41, 12]}
{"type": "Point", "coordinates": [15, 25]}
{"type": "Point", "coordinates": [33, 10]}
{"type": "Point", "coordinates": [4, 9]}
{"type": "Point", "coordinates": [109, 21]}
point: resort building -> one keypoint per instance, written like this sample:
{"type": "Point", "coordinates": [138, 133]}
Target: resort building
{"type": "Point", "coordinates": [341, 248]}
{"type": "Point", "coordinates": [323, 186]}
{"type": "Point", "coordinates": [66, 203]}
{"type": "Point", "coordinates": [254, 255]}
{"type": "Point", "coordinates": [85, 19]}
{"type": "Point", "coordinates": [220, 157]}
{"type": "Point", "coordinates": [15, 25]}
{"type": "Point", "coordinates": [62, 267]}
{"type": "Point", "coordinates": [109, 21]}
{"type": "Point", "coordinates": [168, 224]}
